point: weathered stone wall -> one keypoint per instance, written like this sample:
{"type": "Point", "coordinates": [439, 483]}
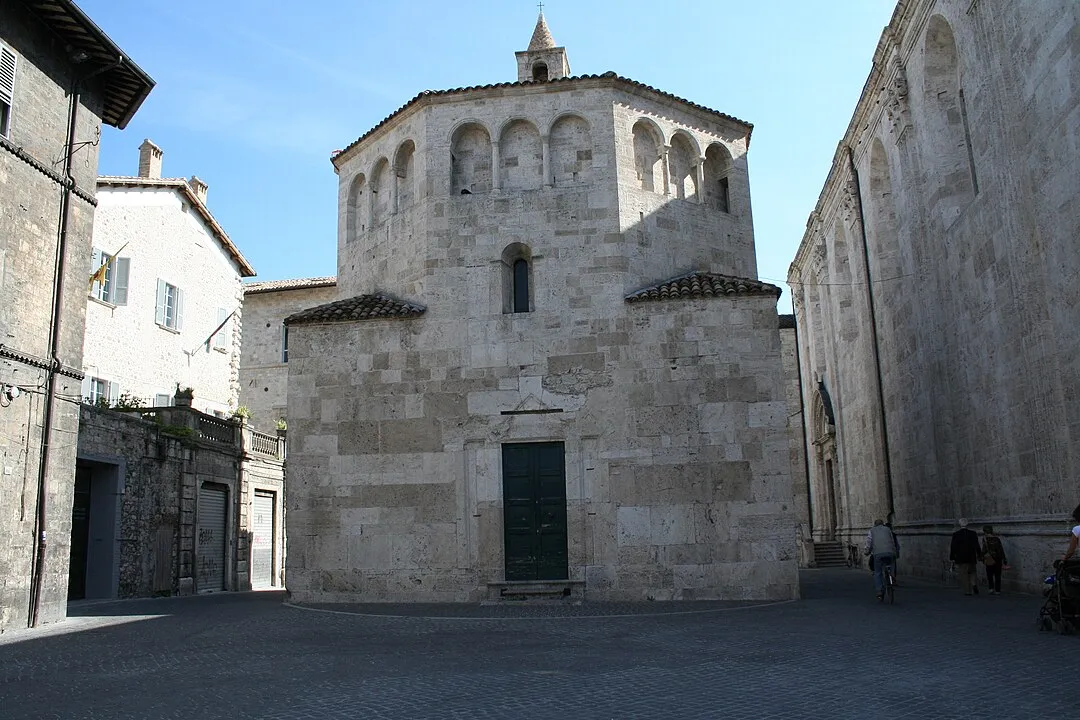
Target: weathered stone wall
{"type": "Point", "coordinates": [263, 375]}
{"type": "Point", "coordinates": [396, 240]}
{"type": "Point", "coordinates": [155, 226]}
{"type": "Point", "coordinates": [677, 456]}
{"type": "Point", "coordinates": [161, 467]}
{"type": "Point", "coordinates": [964, 151]}
{"type": "Point", "coordinates": [29, 229]}
{"type": "Point", "coordinates": [797, 439]}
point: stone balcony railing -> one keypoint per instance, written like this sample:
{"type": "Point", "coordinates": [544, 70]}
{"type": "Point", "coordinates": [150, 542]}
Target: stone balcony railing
{"type": "Point", "coordinates": [208, 428]}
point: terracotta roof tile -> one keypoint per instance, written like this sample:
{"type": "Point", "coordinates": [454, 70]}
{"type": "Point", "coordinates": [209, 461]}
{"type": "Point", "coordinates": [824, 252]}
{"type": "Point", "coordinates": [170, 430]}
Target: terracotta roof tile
{"type": "Point", "coordinates": [292, 284]}
{"type": "Point", "coordinates": [362, 307]}
{"type": "Point", "coordinates": [703, 285]}
{"type": "Point", "coordinates": [618, 79]}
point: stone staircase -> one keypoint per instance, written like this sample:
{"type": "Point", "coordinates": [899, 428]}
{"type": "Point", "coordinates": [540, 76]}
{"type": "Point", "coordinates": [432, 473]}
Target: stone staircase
{"type": "Point", "coordinates": [831, 553]}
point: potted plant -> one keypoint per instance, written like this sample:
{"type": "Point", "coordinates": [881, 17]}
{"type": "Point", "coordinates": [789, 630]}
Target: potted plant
{"type": "Point", "coordinates": [281, 426]}
{"type": "Point", "coordinates": [242, 414]}
{"type": "Point", "coordinates": [182, 397]}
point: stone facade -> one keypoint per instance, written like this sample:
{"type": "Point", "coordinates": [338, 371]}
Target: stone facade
{"type": "Point", "coordinates": [935, 284]}
{"type": "Point", "coordinates": [800, 489]}
{"type": "Point", "coordinates": [518, 223]}
{"type": "Point", "coordinates": [162, 246]}
{"type": "Point", "coordinates": [145, 473]}
{"type": "Point", "coordinates": [45, 200]}
{"type": "Point", "coordinates": [264, 373]}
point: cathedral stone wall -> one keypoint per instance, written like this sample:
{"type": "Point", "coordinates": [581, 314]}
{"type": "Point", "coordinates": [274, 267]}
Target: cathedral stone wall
{"type": "Point", "coordinates": [964, 146]}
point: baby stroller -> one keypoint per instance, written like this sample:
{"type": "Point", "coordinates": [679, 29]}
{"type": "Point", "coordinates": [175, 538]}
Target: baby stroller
{"type": "Point", "coordinates": [1061, 610]}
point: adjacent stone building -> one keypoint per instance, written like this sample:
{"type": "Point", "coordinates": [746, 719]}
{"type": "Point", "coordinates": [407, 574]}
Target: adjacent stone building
{"type": "Point", "coordinates": [60, 79]}
{"type": "Point", "coordinates": [164, 308]}
{"type": "Point", "coordinates": [264, 373]}
{"type": "Point", "coordinates": [551, 369]}
{"type": "Point", "coordinates": [936, 286]}
{"type": "Point", "coordinates": [173, 501]}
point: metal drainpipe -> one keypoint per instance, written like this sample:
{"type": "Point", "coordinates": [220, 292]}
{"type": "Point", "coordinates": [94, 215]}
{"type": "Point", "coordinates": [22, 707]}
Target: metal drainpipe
{"type": "Point", "coordinates": [802, 419]}
{"type": "Point", "coordinates": [37, 578]}
{"type": "Point", "coordinates": [874, 337]}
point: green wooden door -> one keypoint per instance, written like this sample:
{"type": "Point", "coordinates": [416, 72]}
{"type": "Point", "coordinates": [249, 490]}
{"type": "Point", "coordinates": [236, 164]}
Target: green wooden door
{"type": "Point", "coordinates": [534, 511]}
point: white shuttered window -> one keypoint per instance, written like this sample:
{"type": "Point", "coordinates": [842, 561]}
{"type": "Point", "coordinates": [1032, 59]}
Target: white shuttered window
{"type": "Point", "coordinates": [169, 308]}
{"type": "Point", "coordinates": [7, 88]}
{"type": "Point", "coordinates": [113, 286]}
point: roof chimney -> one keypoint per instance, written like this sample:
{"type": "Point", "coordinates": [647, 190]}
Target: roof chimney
{"type": "Point", "coordinates": [198, 187]}
{"type": "Point", "coordinates": [149, 160]}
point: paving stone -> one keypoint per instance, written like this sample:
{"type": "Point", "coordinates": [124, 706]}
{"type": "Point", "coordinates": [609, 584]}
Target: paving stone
{"type": "Point", "coordinates": [252, 656]}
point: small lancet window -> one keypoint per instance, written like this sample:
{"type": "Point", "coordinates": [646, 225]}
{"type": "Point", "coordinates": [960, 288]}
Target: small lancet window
{"type": "Point", "coordinates": [723, 198]}
{"type": "Point", "coordinates": [521, 285]}
{"type": "Point", "coordinates": [540, 72]}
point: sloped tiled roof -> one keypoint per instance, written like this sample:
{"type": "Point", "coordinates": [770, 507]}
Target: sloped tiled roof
{"type": "Point", "coordinates": [292, 284]}
{"type": "Point", "coordinates": [703, 285]}
{"type": "Point", "coordinates": [614, 78]}
{"type": "Point", "coordinates": [362, 307]}
{"type": "Point", "coordinates": [541, 37]}
{"type": "Point", "coordinates": [182, 185]}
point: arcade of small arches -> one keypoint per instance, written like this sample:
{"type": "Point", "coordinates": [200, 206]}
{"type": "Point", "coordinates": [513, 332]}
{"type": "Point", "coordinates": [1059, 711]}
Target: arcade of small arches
{"type": "Point", "coordinates": [675, 166]}
{"type": "Point", "coordinates": [525, 157]}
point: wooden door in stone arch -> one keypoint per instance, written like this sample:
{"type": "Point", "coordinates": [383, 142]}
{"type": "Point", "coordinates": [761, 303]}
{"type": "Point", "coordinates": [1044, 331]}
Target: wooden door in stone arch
{"type": "Point", "coordinates": [534, 511]}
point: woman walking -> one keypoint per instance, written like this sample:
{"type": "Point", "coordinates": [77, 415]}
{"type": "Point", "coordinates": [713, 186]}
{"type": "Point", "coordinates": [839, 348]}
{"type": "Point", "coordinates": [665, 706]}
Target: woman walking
{"type": "Point", "coordinates": [993, 553]}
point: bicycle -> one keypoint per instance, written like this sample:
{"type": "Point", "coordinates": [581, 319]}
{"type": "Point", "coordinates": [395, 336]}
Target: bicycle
{"type": "Point", "coordinates": [854, 556]}
{"type": "Point", "coordinates": [888, 588]}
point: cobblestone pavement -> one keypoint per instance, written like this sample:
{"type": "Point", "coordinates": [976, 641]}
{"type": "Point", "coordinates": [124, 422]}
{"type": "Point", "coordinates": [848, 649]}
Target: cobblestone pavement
{"type": "Point", "coordinates": [834, 654]}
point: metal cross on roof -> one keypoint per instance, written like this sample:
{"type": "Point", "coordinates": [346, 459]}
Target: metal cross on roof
{"type": "Point", "coordinates": [541, 8]}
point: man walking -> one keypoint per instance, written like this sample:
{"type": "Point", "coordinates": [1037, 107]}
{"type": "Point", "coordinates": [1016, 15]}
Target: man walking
{"type": "Point", "coordinates": [965, 553]}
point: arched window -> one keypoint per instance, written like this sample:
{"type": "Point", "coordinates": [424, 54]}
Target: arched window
{"type": "Point", "coordinates": [517, 278]}
{"type": "Point", "coordinates": [540, 72]}
{"type": "Point", "coordinates": [521, 285]}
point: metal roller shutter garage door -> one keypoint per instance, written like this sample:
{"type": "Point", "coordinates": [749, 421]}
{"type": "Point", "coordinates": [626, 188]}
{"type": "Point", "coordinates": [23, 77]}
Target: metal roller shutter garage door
{"type": "Point", "coordinates": [210, 551]}
{"type": "Point", "coordinates": [262, 540]}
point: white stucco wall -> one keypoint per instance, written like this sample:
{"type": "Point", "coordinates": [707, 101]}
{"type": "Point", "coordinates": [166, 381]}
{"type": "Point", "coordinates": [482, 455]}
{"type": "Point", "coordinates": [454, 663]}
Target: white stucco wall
{"type": "Point", "coordinates": [165, 238]}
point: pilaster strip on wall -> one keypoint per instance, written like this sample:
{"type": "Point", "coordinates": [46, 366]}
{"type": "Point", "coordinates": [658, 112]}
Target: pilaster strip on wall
{"type": "Point", "coordinates": [45, 170]}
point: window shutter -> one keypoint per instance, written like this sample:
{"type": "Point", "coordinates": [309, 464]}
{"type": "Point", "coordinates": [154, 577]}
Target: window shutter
{"type": "Point", "coordinates": [120, 281]}
{"type": "Point", "coordinates": [159, 307]}
{"type": "Point", "coordinates": [114, 393]}
{"type": "Point", "coordinates": [87, 382]}
{"type": "Point", "coordinates": [7, 75]}
{"type": "Point", "coordinates": [222, 333]}
{"type": "Point", "coordinates": [179, 310]}
{"type": "Point", "coordinates": [95, 264]}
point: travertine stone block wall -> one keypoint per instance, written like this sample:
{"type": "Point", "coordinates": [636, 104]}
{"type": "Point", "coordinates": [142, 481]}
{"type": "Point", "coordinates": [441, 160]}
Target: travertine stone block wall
{"type": "Point", "coordinates": [964, 154]}
{"type": "Point", "coordinates": [673, 414]}
{"type": "Point", "coordinates": [677, 455]}
{"type": "Point", "coordinates": [29, 208]}
{"type": "Point", "coordinates": [263, 374]}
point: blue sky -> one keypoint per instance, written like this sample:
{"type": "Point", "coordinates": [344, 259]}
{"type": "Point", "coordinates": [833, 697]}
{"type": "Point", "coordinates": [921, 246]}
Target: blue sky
{"type": "Point", "coordinates": [252, 95]}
